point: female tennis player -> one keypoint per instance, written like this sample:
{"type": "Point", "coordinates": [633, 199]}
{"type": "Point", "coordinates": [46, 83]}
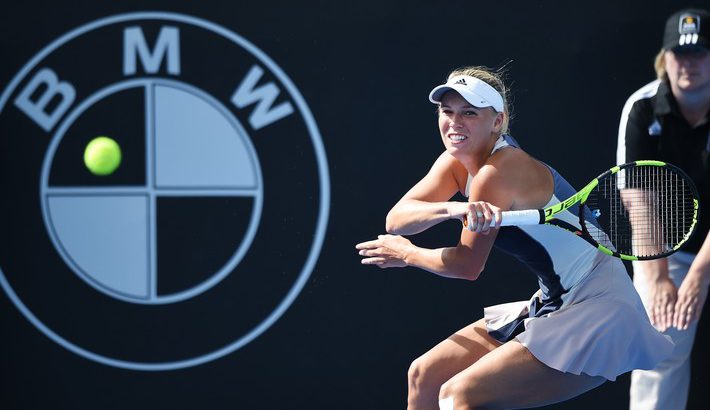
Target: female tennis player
{"type": "Point", "coordinates": [585, 324]}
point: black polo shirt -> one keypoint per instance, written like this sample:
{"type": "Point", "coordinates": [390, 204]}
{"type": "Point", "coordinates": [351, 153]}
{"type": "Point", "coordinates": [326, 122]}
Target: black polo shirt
{"type": "Point", "coordinates": [652, 127]}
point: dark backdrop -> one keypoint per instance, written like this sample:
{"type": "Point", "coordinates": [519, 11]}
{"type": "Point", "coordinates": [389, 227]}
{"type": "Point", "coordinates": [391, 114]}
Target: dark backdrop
{"type": "Point", "coordinates": [365, 69]}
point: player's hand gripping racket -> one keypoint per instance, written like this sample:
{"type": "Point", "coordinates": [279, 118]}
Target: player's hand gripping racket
{"type": "Point", "coordinates": [637, 211]}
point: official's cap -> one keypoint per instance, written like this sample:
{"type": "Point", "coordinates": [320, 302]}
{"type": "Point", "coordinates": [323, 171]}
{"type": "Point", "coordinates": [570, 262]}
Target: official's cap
{"type": "Point", "coordinates": [687, 29]}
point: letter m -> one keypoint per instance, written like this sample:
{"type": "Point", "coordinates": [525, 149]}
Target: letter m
{"type": "Point", "coordinates": [134, 45]}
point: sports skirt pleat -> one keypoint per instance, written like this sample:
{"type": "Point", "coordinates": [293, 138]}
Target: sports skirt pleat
{"type": "Point", "coordinates": [599, 328]}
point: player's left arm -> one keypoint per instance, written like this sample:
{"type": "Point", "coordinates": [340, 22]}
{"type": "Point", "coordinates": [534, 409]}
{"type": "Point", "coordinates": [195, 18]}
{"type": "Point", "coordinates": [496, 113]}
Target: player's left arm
{"type": "Point", "coordinates": [492, 191]}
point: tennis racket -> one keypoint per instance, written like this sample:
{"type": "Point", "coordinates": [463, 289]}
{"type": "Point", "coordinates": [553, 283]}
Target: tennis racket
{"type": "Point", "coordinates": [637, 211]}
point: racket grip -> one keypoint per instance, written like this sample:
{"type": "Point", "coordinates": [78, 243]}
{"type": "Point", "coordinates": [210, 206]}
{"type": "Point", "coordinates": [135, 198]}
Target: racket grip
{"type": "Point", "coordinates": [525, 217]}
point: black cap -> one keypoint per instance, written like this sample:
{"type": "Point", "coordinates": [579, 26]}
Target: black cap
{"type": "Point", "coordinates": [687, 29]}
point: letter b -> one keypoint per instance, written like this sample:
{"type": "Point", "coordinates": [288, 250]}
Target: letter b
{"type": "Point", "coordinates": [37, 110]}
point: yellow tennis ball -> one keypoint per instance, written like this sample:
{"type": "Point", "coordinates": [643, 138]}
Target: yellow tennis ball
{"type": "Point", "coordinates": [102, 156]}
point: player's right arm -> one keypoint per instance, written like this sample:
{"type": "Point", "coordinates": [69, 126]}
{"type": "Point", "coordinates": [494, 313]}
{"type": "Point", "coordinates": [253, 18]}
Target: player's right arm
{"type": "Point", "coordinates": [427, 203]}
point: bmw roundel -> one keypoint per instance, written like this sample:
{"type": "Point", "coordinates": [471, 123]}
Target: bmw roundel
{"type": "Point", "coordinates": [210, 225]}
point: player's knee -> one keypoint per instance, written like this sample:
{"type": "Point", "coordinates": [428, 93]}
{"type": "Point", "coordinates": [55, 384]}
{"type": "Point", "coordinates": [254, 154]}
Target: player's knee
{"type": "Point", "coordinates": [465, 394]}
{"type": "Point", "coordinates": [422, 376]}
{"type": "Point", "coordinates": [456, 391]}
{"type": "Point", "coordinates": [416, 372]}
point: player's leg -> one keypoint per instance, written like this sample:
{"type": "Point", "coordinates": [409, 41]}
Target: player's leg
{"type": "Point", "coordinates": [511, 377]}
{"type": "Point", "coordinates": [428, 372]}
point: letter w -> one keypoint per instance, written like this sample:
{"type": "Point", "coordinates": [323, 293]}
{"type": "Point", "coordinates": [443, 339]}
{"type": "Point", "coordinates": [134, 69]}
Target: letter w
{"type": "Point", "coordinates": [264, 114]}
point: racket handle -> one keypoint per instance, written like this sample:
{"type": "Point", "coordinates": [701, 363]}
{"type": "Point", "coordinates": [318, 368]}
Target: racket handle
{"type": "Point", "coordinates": [526, 217]}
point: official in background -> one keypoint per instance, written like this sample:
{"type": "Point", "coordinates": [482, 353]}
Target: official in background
{"type": "Point", "coordinates": [667, 120]}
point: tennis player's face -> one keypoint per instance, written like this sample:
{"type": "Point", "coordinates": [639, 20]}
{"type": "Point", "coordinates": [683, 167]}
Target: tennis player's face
{"type": "Point", "coordinates": [689, 71]}
{"type": "Point", "coordinates": [463, 127]}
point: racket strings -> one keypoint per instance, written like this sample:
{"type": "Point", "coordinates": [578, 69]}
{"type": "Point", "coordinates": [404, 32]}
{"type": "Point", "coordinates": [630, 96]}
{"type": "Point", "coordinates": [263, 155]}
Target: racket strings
{"type": "Point", "coordinates": [643, 211]}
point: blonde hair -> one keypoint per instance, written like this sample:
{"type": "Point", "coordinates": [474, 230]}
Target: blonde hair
{"type": "Point", "coordinates": [495, 80]}
{"type": "Point", "coordinates": [659, 64]}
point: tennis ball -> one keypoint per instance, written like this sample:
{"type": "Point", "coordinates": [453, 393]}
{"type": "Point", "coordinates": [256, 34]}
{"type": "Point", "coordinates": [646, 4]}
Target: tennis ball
{"type": "Point", "coordinates": [102, 156]}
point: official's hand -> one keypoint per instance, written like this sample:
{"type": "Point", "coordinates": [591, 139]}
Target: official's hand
{"type": "Point", "coordinates": [691, 299]}
{"type": "Point", "coordinates": [387, 251]}
{"type": "Point", "coordinates": [662, 296]}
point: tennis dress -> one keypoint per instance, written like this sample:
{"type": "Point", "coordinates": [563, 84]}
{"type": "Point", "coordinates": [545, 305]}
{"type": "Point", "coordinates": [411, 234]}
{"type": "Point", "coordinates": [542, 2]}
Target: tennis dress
{"type": "Point", "coordinates": [586, 317]}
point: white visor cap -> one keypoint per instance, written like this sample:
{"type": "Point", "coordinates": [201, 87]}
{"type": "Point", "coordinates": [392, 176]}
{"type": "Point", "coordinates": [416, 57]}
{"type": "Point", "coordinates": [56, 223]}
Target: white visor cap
{"type": "Point", "coordinates": [477, 92]}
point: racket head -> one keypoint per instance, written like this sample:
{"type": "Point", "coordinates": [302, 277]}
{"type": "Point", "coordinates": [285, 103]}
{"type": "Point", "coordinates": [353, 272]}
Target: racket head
{"type": "Point", "coordinates": [641, 210]}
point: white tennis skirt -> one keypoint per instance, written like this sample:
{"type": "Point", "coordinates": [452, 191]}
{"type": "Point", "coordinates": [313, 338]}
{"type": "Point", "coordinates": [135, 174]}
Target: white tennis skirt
{"type": "Point", "coordinates": [601, 328]}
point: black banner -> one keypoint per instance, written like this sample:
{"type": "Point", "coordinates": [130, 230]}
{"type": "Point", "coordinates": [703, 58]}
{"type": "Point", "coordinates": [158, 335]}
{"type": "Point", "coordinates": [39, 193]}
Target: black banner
{"type": "Point", "coordinates": [221, 272]}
